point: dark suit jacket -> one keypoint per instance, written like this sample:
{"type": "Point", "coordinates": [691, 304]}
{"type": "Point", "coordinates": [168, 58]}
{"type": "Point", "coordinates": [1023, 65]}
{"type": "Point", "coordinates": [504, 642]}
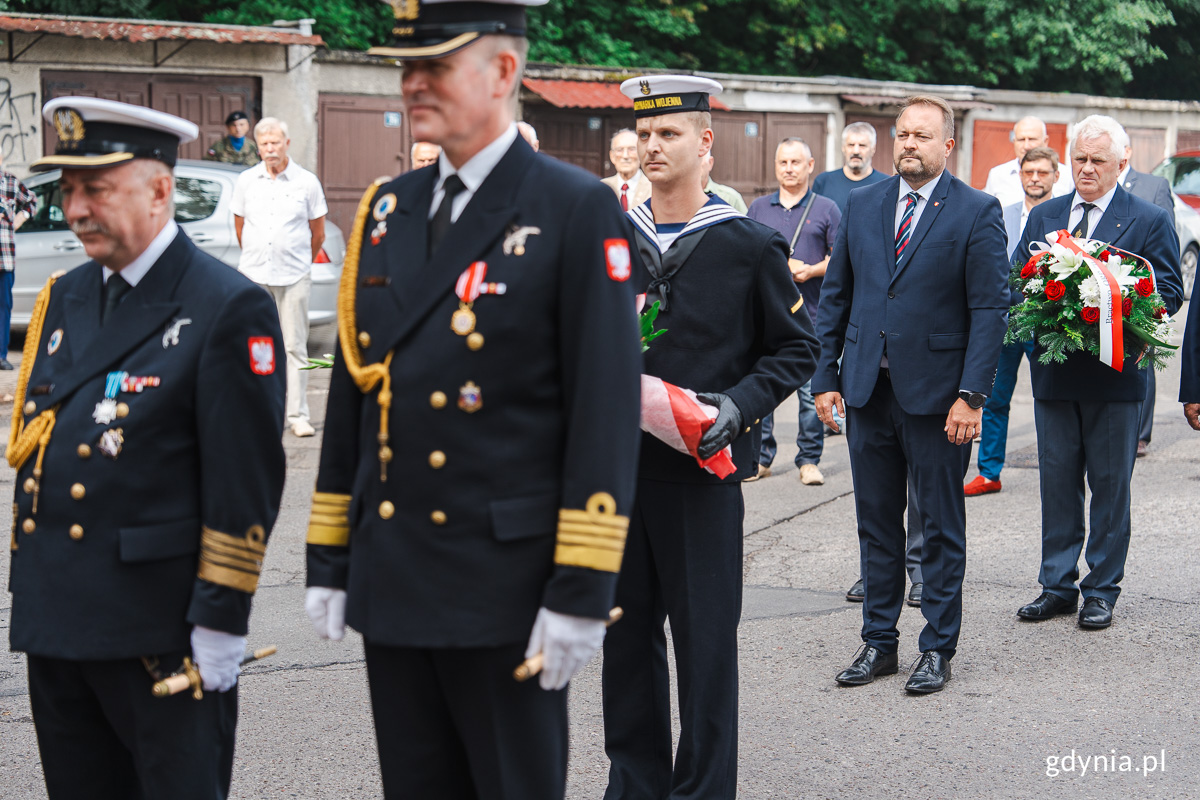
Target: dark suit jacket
{"type": "Point", "coordinates": [1153, 189]}
{"type": "Point", "coordinates": [1133, 225]}
{"type": "Point", "coordinates": [942, 310]}
{"type": "Point", "coordinates": [195, 487]}
{"type": "Point", "coordinates": [555, 429]}
{"type": "Point", "coordinates": [1189, 379]}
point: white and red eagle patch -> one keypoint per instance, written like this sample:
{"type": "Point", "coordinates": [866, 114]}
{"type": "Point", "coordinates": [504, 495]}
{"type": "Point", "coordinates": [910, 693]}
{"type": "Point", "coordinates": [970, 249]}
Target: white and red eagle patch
{"type": "Point", "coordinates": [262, 355]}
{"type": "Point", "coordinates": [616, 256]}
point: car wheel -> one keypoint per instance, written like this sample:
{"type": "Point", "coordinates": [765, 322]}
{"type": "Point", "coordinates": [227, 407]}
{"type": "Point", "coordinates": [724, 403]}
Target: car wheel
{"type": "Point", "coordinates": [1187, 266]}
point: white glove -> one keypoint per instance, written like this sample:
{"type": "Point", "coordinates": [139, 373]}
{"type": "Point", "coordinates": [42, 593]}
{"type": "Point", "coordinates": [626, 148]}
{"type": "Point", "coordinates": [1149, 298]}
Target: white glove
{"type": "Point", "coordinates": [566, 644]}
{"type": "Point", "coordinates": [327, 609]}
{"type": "Point", "coordinates": [218, 656]}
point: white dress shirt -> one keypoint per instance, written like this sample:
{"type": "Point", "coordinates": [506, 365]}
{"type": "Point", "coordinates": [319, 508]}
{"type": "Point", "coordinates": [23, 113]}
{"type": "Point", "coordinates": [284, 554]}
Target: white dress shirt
{"type": "Point", "coordinates": [1094, 214]}
{"type": "Point", "coordinates": [1004, 183]}
{"type": "Point", "coordinates": [136, 270]}
{"type": "Point", "coordinates": [472, 174]}
{"type": "Point", "coordinates": [276, 237]}
{"type": "Point", "coordinates": [925, 192]}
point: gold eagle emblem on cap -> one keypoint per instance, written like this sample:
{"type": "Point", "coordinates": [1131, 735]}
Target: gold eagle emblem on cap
{"type": "Point", "coordinates": [645, 87]}
{"type": "Point", "coordinates": [405, 9]}
{"type": "Point", "coordinates": [69, 125]}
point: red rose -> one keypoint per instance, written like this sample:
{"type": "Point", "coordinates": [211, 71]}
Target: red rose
{"type": "Point", "coordinates": [1055, 291]}
{"type": "Point", "coordinates": [1126, 306]}
{"type": "Point", "coordinates": [1160, 312]}
{"type": "Point", "coordinates": [1090, 315]}
{"type": "Point", "coordinates": [1028, 271]}
{"type": "Point", "coordinates": [1103, 255]}
{"type": "Point", "coordinates": [1145, 287]}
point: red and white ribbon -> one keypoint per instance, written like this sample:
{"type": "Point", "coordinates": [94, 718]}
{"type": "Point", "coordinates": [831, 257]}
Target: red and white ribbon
{"type": "Point", "coordinates": [1112, 339]}
{"type": "Point", "coordinates": [471, 281]}
{"type": "Point", "coordinates": [675, 417]}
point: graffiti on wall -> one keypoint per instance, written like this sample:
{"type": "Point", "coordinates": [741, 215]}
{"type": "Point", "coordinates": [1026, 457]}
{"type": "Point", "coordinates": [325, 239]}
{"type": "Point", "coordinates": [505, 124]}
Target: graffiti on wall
{"type": "Point", "coordinates": [18, 125]}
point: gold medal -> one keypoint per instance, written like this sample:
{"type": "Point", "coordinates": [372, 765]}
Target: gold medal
{"type": "Point", "coordinates": [463, 320]}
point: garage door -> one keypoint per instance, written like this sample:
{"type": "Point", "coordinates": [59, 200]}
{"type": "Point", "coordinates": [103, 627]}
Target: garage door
{"type": "Point", "coordinates": [360, 139]}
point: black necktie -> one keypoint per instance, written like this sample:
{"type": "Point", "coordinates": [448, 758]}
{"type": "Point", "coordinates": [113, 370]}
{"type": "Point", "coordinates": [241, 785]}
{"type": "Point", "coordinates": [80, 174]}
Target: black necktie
{"type": "Point", "coordinates": [116, 288]}
{"type": "Point", "coordinates": [1081, 230]}
{"type": "Point", "coordinates": [441, 218]}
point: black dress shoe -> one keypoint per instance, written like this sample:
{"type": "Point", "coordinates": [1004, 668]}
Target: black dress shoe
{"type": "Point", "coordinates": [867, 664]}
{"type": "Point", "coordinates": [914, 595]}
{"type": "Point", "coordinates": [931, 674]}
{"type": "Point", "coordinates": [1096, 613]}
{"type": "Point", "coordinates": [1045, 607]}
{"type": "Point", "coordinates": [856, 593]}
{"type": "Point", "coordinates": [4, 364]}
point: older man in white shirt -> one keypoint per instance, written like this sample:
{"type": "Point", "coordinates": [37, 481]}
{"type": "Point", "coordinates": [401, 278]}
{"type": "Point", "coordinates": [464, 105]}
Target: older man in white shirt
{"type": "Point", "coordinates": [1004, 181]}
{"type": "Point", "coordinates": [279, 213]}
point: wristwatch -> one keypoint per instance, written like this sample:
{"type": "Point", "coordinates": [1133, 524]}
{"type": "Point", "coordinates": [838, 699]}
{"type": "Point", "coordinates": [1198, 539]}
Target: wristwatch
{"type": "Point", "coordinates": [973, 399]}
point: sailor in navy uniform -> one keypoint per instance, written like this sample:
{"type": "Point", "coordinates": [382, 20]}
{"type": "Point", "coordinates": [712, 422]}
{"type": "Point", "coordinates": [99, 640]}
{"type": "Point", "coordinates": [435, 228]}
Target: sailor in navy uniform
{"type": "Point", "coordinates": [481, 437]}
{"type": "Point", "coordinates": [736, 333]}
{"type": "Point", "coordinates": [146, 439]}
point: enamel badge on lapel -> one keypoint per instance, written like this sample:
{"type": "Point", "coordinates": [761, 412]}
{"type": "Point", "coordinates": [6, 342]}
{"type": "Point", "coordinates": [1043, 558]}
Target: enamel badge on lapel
{"type": "Point", "coordinates": [470, 397]}
{"type": "Point", "coordinates": [111, 441]}
{"type": "Point", "coordinates": [514, 242]}
{"type": "Point", "coordinates": [171, 337]}
{"type": "Point", "coordinates": [53, 342]}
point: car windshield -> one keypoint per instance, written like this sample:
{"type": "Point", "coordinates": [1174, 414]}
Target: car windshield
{"type": "Point", "coordinates": [195, 199]}
{"type": "Point", "coordinates": [1182, 172]}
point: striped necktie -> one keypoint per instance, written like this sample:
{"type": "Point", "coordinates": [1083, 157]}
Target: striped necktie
{"type": "Point", "coordinates": [904, 232]}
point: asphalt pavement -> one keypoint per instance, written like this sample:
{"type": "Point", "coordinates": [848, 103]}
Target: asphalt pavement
{"type": "Point", "coordinates": [1034, 710]}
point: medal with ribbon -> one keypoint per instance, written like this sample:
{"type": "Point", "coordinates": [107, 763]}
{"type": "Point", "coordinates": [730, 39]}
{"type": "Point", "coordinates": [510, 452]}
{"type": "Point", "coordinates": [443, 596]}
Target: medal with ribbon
{"type": "Point", "coordinates": [468, 288]}
{"type": "Point", "coordinates": [106, 409]}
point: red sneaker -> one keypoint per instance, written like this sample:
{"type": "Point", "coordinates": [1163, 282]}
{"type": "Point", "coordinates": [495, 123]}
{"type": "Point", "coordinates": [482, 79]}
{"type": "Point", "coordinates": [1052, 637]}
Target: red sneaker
{"type": "Point", "coordinates": [981, 485]}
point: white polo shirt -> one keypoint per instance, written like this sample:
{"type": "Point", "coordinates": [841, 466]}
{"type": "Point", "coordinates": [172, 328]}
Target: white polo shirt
{"type": "Point", "coordinates": [276, 238]}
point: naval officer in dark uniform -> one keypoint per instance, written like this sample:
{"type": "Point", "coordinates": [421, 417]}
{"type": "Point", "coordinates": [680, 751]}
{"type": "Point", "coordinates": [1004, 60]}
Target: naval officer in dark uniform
{"type": "Point", "coordinates": [477, 468]}
{"type": "Point", "coordinates": [146, 438]}
{"type": "Point", "coordinates": [737, 334]}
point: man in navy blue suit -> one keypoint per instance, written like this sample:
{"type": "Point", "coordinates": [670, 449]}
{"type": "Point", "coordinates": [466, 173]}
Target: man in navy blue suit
{"type": "Point", "coordinates": [1189, 381]}
{"type": "Point", "coordinates": [918, 299]}
{"type": "Point", "coordinates": [1086, 413]}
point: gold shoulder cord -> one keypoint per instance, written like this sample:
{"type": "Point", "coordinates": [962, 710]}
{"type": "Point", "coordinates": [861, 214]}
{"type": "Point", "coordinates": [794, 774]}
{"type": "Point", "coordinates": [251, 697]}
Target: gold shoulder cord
{"type": "Point", "coordinates": [22, 438]}
{"type": "Point", "coordinates": [366, 376]}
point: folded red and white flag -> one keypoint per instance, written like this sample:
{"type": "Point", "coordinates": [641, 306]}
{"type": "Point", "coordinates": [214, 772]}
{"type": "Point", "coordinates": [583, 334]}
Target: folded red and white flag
{"type": "Point", "coordinates": [675, 417]}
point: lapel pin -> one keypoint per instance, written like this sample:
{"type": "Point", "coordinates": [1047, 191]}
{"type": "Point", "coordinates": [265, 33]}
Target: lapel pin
{"type": "Point", "coordinates": [514, 242]}
{"type": "Point", "coordinates": [383, 207]}
{"type": "Point", "coordinates": [171, 337]}
{"type": "Point", "coordinates": [54, 341]}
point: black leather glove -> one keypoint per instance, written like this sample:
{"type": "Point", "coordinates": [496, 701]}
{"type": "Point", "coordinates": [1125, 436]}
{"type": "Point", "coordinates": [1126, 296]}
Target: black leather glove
{"type": "Point", "coordinates": [725, 427]}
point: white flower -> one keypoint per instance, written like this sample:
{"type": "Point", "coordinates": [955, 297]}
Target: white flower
{"type": "Point", "coordinates": [1089, 291]}
{"type": "Point", "coordinates": [1063, 262]}
{"type": "Point", "coordinates": [1034, 286]}
{"type": "Point", "coordinates": [1163, 331]}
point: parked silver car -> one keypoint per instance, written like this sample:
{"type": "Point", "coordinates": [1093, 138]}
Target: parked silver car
{"type": "Point", "coordinates": [1187, 224]}
{"type": "Point", "coordinates": [203, 192]}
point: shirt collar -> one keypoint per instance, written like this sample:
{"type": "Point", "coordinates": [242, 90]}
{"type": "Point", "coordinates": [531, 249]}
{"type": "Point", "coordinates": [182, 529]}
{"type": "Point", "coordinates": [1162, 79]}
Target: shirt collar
{"type": "Point", "coordinates": [475, 172]}
{"type": "Point", "coordinates": [1101, 204]}
{"type": "Point", "coordinates": [289, 172]}
{"type": "Point", "coordinates": [776, 201]}
{"type": "Point", "coordinates": [1124, 176]}
{"type": "Point", "coordinates": [137, 269]}
{"type": "Point", "coordinates": [925, 191]}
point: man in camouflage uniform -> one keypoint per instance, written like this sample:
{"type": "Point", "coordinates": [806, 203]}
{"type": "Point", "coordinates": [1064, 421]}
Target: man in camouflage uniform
{"type": "Point", "coordinates": [236, 147]}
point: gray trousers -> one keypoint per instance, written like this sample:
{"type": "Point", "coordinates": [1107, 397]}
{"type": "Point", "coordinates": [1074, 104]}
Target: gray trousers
{"type": "Point", "coordinates": [1097, 441]}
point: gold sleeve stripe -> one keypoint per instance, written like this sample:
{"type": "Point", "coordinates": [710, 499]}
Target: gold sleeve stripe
{"type": "Point", "coordinates": [799, 303]}
{"type": "Point", "coordinates": [329, 521]}
{"type": "Point", "coordinates": [593, 538]}
{"type": "Point", "coordinates": [232, 561]}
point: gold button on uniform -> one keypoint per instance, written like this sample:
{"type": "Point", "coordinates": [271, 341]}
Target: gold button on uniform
{"type": "Point", "coordinates": [76, 532]}
{"type": "Point", "coordinates": [364, 339]}
{"type": "Point", "coordinates": [475, 341]}
{"type": "Point", "coordinates": [437, 459]}
{"type": "Point", "coordinates": [386, 509]}
{"type": "Point", "coordinates": [30, 485]}
{"type": "Point", "coordinates": [122, 410]}
{"type": "Point", "coordinates": [78, 491]}
{"type": "Point", "coordinates": [438, 399]}
{"type": "Point", "coordinates": [28, 526]}
{"type": "Point", "coordinates": [84, 450]}
{"type": "Point", "coordinates": [438, 517]}
{"type": "Point", "coordinates": [30, 407]}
